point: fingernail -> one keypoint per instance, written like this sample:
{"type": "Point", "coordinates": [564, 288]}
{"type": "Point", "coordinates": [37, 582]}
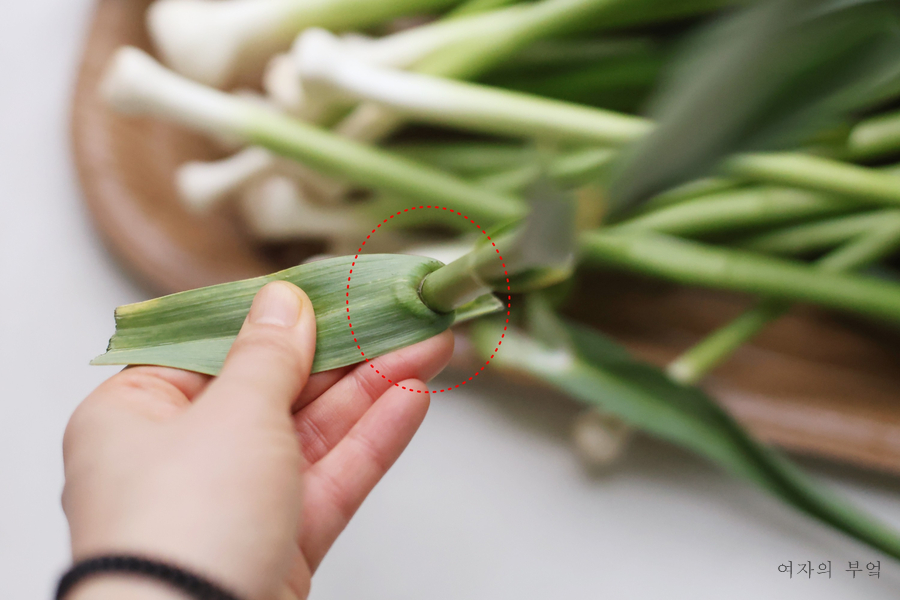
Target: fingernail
{"type": "Point", "coordinates": [276, 304]}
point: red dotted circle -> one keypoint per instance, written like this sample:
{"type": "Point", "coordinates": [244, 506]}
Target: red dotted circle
{"type": "Point", "coordinates": [508, 300]}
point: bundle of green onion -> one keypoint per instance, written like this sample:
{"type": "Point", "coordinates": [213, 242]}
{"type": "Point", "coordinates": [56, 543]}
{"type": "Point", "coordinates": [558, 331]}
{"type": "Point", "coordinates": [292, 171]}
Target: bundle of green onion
{"type": "Point", "coordinates": [766, 143]}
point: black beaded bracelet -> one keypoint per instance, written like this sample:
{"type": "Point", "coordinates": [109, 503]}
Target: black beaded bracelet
{"type": "Point", "coordinates": [184, 581]}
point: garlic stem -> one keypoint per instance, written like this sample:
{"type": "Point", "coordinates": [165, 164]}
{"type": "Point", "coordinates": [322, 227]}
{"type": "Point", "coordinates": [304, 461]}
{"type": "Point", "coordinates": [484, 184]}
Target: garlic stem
{"type": "Point", "coordinates": [541, 248]}
{"type": "Point", "coordinates": [136, 84]}
{"type": "Point", "coordinates": [496, 111]}
{"type": "Point", "coordinates": [399, 50]}
{"type": "Point", "coordinates": [692, 263]}
{"type": "Point", "coordinates": [404, 48]}
{"type": "Point", "coordinates": [882, 240]}
{"type": "Point", "coordinates": [464, 60]}
{"type": "Point", "coordinates": [324, 63]}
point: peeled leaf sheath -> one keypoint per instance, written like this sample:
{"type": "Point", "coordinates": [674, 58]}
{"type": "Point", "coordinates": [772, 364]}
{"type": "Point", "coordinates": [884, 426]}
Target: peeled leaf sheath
{"type": "Point", "coordinates": [194, 330]}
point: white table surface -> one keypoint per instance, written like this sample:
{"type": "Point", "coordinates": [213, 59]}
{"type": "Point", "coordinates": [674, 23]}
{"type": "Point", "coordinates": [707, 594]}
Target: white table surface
{"type": "Point", "coordinates": [488, 502]}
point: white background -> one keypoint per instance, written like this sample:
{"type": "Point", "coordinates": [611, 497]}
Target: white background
{"type": "Point", "coordinates": [487, 503]}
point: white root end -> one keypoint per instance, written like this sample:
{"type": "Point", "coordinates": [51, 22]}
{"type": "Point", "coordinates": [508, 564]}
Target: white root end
{"type": "Point", "coordinates": [681, 372]}
{"type": "Point", "coordinates": [317, 54]}
{"type": "Point", "coordinates": [134, 83]}
{"type": "Point", "coordinates": [358, 43]}
{"type": "Point", "coordinates": [251, 95]}
{"type": "Point", "coordinates": [282, 84]}
{"type": "Point", "coordinates": [332, 71]}
{"type": "Point", "coordinates": [194, 39]}
{"type": "Point", "coordinates": [322, 189]}
{"type": "Point", "coordinates": [201, 185]}
{"type": "Point", "coordinates": [323, 61]}
{"type": "Point", "coordinates": [369, 123]}
{"type": "Point", "coordinates": [131, 81]}
{"type": "Point", "coordinates": [318, 50]}
{"type": "Point", "coordinates": [600, 438]}
{"type": "Point", "coordinates": [275, 208]}
{"type": "Point", "coordinates": [214, 41]}
{"type": "Point", "coordinates": [319, 60]}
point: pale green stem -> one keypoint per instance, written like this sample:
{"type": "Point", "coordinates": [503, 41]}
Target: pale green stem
{"type": "Point", "coordinates": [817, 173]}
{"type": "Point", "coordinates": [492, 110]}
{"type": "Point", "coordinates": [457, 283]}
{"type": "Point", "coordinates": [875, 136]}
{"type": "Point", "coordinates": [380, 170]}
{"type": "Point", "coordinates": [537, 252]}
{"type": "Point", "coordinates": [466, 158]}
{"type": "Point", "coordinates": [545, 19]}
{"type": "Point", "coordinates": [695, 363]}
{"type": "Point", "coordinates": [469, 276]}
{"type": "Point", "coordinates": [405, 48]}
{"type": "Point", "coordinates": [735, 209]}
{"type": "Point", "coordinates": [551, 18]}
{"type": "Point", "coordinates": [688, 191]}
{"type": "Point", "coordinates": [478, 6]}
{"type": "Point", "coordinates": [137, 84]}
{"type": "Point", "coordinates": [693, 263]}
{"type": "Point", "coordinates": [808, 238]}
{"type": "Point", "coordinates": [481, 108]}
{"type": "Point", "coordinates": [570, 170]}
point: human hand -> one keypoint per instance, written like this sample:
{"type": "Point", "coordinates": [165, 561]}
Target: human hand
{"type": "Point", "coordinates": [208, 474]}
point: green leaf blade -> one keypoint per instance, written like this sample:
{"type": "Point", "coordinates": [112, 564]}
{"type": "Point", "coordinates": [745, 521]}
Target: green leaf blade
{"type": "Point", "coordinates": [593, 369]}
{"type": "Point", "coordinates": [610, 388]}
{"type": "Point", "coordinates": [194, 330]}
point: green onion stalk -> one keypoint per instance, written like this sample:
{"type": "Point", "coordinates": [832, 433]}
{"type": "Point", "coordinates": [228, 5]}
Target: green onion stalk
{"type": "Point", "coordinates": [688, 191]}
{"type": "Point", "coordinates": [875, 137]}
{"type": "Point", "coordinates": [817, 236]}
{"type": "Point", "coordinates": [535, 253]}
{"type": "Point", "coordinates": [450, 47]}
{"type": "Point", "coordinates": [467, 159]}
{"type": "Point", "coordinates": [490, 110]}
{"type": "Point", "coordinates": [137, 84]}
{"type": "Point", "coordinates": [569, 170]}
{"type": "Point", "coordinates": [477, 6]}
{"type": "Point", "coordinates": [202, 184]}
{"type": "Point", "coordinates": [464, 279]}
{"type": "Point", "coordinates": [731, 210]}
{"type": "Point", "coordinates": [694, 263]}
{"type": "Point", "coordinates": [399, 50]}
{"type": "Point", "coordinates": [545, 19]}
{"type": "Point", "coordinates": [882, 240]}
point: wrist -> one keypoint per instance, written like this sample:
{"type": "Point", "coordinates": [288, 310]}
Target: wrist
{"type": "Point", "coordinates": [113, 586]}
{"type": "Point", "coordinates": [136, 578]}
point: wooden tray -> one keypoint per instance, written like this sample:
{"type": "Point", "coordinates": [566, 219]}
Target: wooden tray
{"type": "Point", "coordinates": [812, 383]}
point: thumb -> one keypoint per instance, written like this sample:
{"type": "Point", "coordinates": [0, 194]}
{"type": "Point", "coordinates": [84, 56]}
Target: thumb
{"type": "Point", "coordinates": [270, 360]}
